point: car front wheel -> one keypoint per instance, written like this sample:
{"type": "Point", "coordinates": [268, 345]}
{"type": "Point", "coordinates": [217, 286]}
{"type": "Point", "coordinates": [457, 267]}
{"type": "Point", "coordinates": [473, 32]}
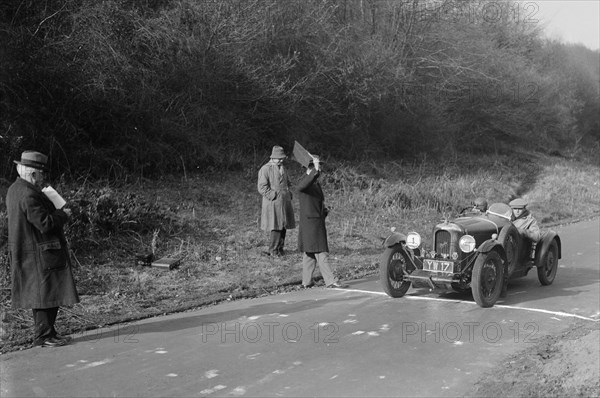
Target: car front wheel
{"type": "Point", "coordinates": [394, 264]}
{"type": "Point", "coordinates": [548, 265]}
{"type": "Point", "coordinates": [487, 279]}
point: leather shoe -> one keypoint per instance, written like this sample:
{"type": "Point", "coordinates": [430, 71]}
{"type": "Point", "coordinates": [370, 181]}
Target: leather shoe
{"type": "Point", "coordinates": [338, 285]}
{"type": "Point", "coordinates": [53, 342]}
{"type": "Point", "coordinates": [308, 286]}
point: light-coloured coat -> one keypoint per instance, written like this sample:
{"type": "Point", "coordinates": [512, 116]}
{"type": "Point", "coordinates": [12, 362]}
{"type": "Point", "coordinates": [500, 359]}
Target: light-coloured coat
{"type": "Point", "coordinates": [527, 226]}
{"type": "Point", "coordinates": [39, 257]}
{"type": "Point", "coordinates": [277, 211]}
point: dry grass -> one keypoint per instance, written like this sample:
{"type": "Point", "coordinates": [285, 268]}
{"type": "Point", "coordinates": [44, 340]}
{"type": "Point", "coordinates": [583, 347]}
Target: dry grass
{"type": "Point", "coordinates": [216, 232]}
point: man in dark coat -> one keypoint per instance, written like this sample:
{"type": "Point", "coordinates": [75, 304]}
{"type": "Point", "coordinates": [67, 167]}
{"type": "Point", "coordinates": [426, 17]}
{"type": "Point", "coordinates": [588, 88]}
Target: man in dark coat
{"type": "Point", "coordinates": [40, 264]}
{"type": "Point", "coordinates": [312, 234]}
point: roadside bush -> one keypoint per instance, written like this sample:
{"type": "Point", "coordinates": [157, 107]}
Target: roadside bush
{"type": "Point", "coordinates": [102, 212]}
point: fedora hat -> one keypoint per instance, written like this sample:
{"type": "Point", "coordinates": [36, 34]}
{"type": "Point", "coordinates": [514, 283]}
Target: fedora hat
{"type": "Point", "coordinates": [34, 160]}
{"type": "Point", "coordinates": [278, 153]}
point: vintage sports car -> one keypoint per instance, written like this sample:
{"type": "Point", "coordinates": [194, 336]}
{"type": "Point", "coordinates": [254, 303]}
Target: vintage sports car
{"type": "Point", "coordinates": [473, 252]}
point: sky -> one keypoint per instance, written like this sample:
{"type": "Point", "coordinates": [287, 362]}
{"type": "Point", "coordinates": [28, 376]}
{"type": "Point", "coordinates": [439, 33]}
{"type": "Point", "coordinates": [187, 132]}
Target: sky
{"type": "Point", "coordinates": [572, 21]}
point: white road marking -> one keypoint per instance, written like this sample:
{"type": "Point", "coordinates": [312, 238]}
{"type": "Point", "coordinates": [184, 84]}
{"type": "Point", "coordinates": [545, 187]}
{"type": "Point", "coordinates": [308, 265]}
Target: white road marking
{"type": "Point", "coordinates": [557, 313]}
{"type": "Point", "coordinates": [94, 364]}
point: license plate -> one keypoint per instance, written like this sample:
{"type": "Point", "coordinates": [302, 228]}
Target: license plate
{"type": "Point", "coordinates": [438, 266]}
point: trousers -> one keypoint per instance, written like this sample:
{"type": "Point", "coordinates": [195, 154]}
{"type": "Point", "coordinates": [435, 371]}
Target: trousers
{"type": "Point", "coordinates": [277, 241]}
{"type": "Point", "coordinates": [44, 320]}
{"type": "Point", "coordinates": [309, 262]}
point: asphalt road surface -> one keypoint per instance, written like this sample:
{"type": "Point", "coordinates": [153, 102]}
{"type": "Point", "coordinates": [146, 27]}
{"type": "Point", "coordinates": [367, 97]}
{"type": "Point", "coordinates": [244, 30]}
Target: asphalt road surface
{"type": "Point", "coordinates": [319, 342]}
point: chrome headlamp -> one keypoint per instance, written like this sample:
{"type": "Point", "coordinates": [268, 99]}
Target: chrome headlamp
{"type": "Point", "coordinates": [467, 243]}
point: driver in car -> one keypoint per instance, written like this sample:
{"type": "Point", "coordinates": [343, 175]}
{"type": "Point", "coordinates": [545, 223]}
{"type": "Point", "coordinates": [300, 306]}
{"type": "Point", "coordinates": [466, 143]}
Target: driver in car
{"type": "Point", "coordinates": [524, 221]}
{"type": "Point", "coordinates": [480, 205]}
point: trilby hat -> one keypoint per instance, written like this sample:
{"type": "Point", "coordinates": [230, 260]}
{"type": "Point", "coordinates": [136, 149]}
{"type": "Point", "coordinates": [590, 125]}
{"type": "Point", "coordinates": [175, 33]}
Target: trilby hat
{"type": "Point", "coordinates": [278, 153]}
{"type": "Point", "coordinates": [34, 160]}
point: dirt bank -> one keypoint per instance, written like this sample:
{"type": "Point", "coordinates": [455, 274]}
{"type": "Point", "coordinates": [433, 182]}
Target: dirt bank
{"type": "Point", "coordinates": [565, 365]}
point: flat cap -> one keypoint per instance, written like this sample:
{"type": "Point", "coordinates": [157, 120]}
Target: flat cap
{"type": "Point", "coordinates": [518, 203]}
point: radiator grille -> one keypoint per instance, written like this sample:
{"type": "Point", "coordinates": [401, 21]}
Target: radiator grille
{"type": "Point", "coordinates": [442, 242]}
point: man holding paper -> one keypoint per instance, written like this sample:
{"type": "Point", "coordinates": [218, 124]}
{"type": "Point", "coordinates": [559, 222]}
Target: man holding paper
{"type": "Point", "coordinates": [312, 234]}
{"type": "Point", "coordinates": [40, 264]}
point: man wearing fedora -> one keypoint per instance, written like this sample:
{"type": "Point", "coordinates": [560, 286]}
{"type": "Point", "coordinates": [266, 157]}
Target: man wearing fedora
{"type": "Point", "coordinates": [40, 264]}
{"type": "Point", "coordinates": [277, 212]}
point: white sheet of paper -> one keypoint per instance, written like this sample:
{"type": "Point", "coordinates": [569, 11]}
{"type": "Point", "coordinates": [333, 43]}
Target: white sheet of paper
{"type": "Point", "coordinates": [54, 196]}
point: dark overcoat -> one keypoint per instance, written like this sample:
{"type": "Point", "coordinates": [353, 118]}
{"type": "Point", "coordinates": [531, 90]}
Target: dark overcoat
{"type": "Point", "coordinates": [39, 257]}
{"type": "Point", "coordinates": [312, 234]}
{"type": "Point", "coordinates": [277, 211]}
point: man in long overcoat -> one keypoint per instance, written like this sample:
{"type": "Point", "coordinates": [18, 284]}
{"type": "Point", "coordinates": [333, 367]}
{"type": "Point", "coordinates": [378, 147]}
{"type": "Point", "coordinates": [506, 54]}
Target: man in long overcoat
{"type": "Point", "coordinates": [277, 212]}
{"type": "Point", "coordinates": [312, 233]}
{"type": "Point", "coordinates": [40, 264]}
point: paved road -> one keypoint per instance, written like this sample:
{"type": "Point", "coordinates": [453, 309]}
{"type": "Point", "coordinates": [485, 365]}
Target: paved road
{"type": "Point", "coordinates": [319, 342]}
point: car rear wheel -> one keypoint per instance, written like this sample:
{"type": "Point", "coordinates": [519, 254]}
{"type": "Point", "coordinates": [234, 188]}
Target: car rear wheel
{"type": "Point", "coordinates": [487, 279]}
{"type": "Point", "coordinates": [394, 264]}
{"type": "Point", "coordinates": [548, 265]}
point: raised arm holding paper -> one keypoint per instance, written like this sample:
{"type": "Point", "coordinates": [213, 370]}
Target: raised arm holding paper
{"type": "Point", "coordinates": [312, 233]}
